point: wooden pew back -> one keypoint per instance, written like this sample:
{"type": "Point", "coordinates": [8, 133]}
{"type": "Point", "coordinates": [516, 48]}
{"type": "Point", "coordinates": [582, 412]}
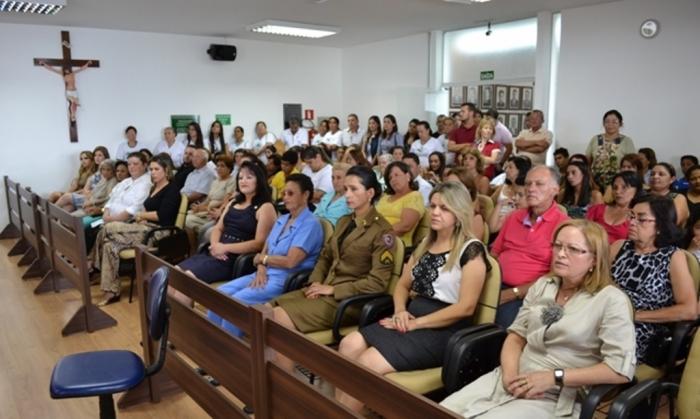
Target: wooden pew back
{"type": "Point", "coordinates": [69, 259]}
{"type": "Point", "coordinates": [27, 208]}
{"type": "Point", "coordinates": [12, 198]}
{"type": "Point", "coordinates": [248, 369]}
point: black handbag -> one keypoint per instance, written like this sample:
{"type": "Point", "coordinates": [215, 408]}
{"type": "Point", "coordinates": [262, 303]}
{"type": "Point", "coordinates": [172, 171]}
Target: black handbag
{"type": "Point", "coordinates": [658, 348]}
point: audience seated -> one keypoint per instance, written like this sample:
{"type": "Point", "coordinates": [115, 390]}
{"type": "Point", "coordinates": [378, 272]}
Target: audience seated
{"type": "Point", "coordinates": [243, 228]}
{"type": "Point", "coordinates": [462, 137]}
{"type": "Point", "coordinates": [71, 201]}
{"type": "Point", "coordinates": [654, 273]}
{"type": "Point", "coordinates": [273, 166]}
{"type": "Point", "coordinates": [320, 138]}
{"type": "Point", "coordinates": [662, 176]}
{"type": "Point", "coordinates": [194, 137]}
{"type": "Point", "coordinates": [217, 141]}
{"type": "Point", "coordinates": [383, 161]}
{"type": "Point", "coordinates": [199, 182]}
{"type": "Point", "coordinates": [425, 144]}
{"type": "Point", "coordinates": [648, 157]}
{"type": "Point", "coordinates": [575, 330]}
{"type": "Point", "coordinates": [402, 205]}
{"type": "Point", "coordinates": [261, 139]}
{"type": "Point", "coordinates": [436, 167]}
{"type": "Point", "coordinates": [170, 145]}
{"type": "Point", "coordinates": [224, 185]}
{"type": "Point", "coordinates": [693, 245]}
{"type": "Point", "coordinates": [358, 260]}
{"type": "Point", "coordinates": [561, 160]}
{"type": "Point", "coordinates": [295, 135]}
{"type": "Point", "coordinates": [353, 156]}
{"type": "Point", "coordinates": [320, 171]}
{"type": "Point", "coordinates": [605, 150]}
{"type": "Point", "coordinates": [353, 134]}
{"type": "Point", "coordinates": [504, 207]}
{"type": "Point", "coordinates": [523, 246]}
{"type": "Point", "coordinates": [85, 173]}
{"type": "Point", "coordinates": [448, 125]}
{"type": "Point", "coordinates": [390, 136]}
{"type": "Point", "coordinates": [435, 296]}
{"type": "Point", "coordinates": [158, 209]}
{"type": "Point", "coordinates": [424, 187]}
{"type": "Point", "coordinates": [485, 144]}
{"type": "Point", "coordinates": [474, 163]}
{"type": "Point", "coordinates": [693, 192]}
{"type": "Point", "coordinates": [502, 136]}
{"type": "Point", "coordinates": [95, 201]}
{"type": "Point", "coordinates": [128, 146]}
{"type": "Point", "coordinates": [578, 194]}
{"type": "Point", "coordinates": [293, 244]}
{"type": "Point", "coordinates": [459, 174]}
{"type": "Point", "coordinates": [515, 167]}
{"type": "Point", "coordinates": [534, 141]}
{"type": "Point", "coordinates": [288, 164]}
{"type": "Point", "coordinates": [681, 184]}
{"type": "Point", "coordinates": [613, 217]}
{"type": "Point", "coordinates": [333, 206]}
{"type": "Point", "coordinates": [371, 140]}
{"type": "Point", "coordinates": [238, 141]}
{"type": "Point", "coordinates": [411, 133]}
{"type": "Point", "coordinates": [186, 168]}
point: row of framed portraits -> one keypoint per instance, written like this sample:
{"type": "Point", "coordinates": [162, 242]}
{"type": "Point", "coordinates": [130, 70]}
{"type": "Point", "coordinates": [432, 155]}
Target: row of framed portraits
{"type": "Point", "coordinates": [488, 96]}
{"type": "Point", "coordinates": [514, 121]}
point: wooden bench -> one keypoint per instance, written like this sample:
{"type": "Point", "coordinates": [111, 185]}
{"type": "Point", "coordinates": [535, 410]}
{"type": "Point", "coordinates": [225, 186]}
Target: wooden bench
{"type": "Point", "coordinates": [69, 259]}
{"type": "Point", "coordinates": [247, 371]}
{"type": "Point", "coordinates": [28, 202]}
{"type": "Point", "coordinates": [13, 230]}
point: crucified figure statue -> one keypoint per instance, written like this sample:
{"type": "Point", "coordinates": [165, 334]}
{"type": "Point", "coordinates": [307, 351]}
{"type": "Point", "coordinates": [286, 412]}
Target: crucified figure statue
{"type": "Point", "coordinates": [69, 80]}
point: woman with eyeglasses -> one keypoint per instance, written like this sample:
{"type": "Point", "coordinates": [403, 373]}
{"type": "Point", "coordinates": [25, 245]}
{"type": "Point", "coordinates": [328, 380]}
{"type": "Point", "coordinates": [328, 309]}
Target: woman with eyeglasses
{"type": "Point", "coordinates": [653, 272]}
{"type": "Point", "coordinates": [574, 330]}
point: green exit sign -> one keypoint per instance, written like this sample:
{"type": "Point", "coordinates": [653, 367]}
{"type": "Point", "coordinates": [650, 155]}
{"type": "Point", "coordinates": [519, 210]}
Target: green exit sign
{"type": "Point", "coordinates": [486, 75]}
{"type": "Point", "coordinates": [224, 118]}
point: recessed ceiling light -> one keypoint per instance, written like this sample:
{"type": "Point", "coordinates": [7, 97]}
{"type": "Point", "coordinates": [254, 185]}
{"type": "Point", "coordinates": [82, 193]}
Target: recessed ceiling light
{"type": "Point", "coordinates": [301, 30]}
{"type": "Point", "coordinates": [50, 7]}
{"type": "Point", "coordinates": [467, 1]}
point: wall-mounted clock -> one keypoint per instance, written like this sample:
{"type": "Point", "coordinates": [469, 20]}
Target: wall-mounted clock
{"type": "Point", "coordinates": [649, 28]}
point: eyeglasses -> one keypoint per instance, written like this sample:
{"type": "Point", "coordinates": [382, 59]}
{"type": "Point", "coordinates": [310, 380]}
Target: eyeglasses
{"type": "Point", "coordinates": [568, 249]}
{"type": "Point", "coordinates": [633, 217]}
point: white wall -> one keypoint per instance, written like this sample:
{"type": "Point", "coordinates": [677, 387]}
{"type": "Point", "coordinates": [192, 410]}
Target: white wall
{"type": "Point", "coordinates": [606, 64]}
{"type": "Point", "coordinates": [386, 77]}
{"type": "Point", "coordinates": [142, 80]}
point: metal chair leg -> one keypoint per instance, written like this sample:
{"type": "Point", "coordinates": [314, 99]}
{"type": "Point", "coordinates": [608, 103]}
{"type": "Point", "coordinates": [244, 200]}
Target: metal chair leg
{"type": "Point", "coordinates": [107, 407]}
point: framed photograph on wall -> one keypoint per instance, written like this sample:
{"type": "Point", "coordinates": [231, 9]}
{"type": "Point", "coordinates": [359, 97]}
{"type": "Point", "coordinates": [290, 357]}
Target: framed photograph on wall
{"type": "Point", "coordinates": [523, 122]}
{"type": "Point", "coordinates": [456, 96]}
{"type": "Point", "coordinates": [501, 97]}
{"type": "Point", "coordinates": [514, 97]}
{"type": "Point", "coordinates": [486, 96]}
{"type": "Point", "coordinates": [514, 123]}
{"type": "Point", "coordinates": [473, 94]}
{"type": "Point", "coordinates": [502, 118]}
{"type": "Point", "coordinates": [527, 98]}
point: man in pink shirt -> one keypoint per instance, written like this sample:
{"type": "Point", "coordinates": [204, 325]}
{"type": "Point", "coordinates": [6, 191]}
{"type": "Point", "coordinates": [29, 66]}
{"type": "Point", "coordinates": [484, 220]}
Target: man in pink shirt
{"type": "Point", "coordinates": [524, 245]}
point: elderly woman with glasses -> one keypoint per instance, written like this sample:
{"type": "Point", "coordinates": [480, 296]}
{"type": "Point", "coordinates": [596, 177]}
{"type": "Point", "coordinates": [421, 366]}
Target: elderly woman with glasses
{"type": "Point", "coordinates": [574, 330]}
{"type": "Point", "coordinates": [653, 272]}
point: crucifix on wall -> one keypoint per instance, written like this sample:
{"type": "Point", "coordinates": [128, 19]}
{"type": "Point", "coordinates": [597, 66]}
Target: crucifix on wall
{"type": "Point", "coordinates": [67, 72]}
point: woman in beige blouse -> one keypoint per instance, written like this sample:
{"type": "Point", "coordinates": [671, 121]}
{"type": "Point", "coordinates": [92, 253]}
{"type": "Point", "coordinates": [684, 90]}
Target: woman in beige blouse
{"type": "Point", "coordinates": [221, 187]}
{"type": "Point", "coordinates": [575, 330]}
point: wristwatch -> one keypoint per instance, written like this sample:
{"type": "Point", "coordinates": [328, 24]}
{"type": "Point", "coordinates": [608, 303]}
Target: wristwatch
{"type": "Point", "coordinates": [559, 377]}
{"type": "Point", "coordinates": [516, 291]}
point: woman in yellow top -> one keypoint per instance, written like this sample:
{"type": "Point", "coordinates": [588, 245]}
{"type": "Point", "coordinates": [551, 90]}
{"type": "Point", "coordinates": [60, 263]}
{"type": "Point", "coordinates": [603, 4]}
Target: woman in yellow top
{"type": "Point", "coordinates": [290, 158]}
{"type": "Point", "coordinates": [401, 205]}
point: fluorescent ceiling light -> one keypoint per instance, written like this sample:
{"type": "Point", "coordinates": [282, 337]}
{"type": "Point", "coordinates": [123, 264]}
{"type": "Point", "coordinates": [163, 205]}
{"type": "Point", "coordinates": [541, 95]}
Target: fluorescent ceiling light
{"type": "Point", "coordinates": [47, 7]}
{"type": "Point", "coordinates": [301, 30]}
{"type": "Point", "coordinates": [467, 1]}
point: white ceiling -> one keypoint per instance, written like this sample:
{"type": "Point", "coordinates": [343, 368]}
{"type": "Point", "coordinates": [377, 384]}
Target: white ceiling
{"type": "Point", "coordinates": [361, 21]}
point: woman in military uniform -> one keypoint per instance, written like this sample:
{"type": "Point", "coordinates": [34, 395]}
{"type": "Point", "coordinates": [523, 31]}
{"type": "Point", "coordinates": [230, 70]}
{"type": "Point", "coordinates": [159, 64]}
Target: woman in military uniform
{"type": "Point", "coordinates": [343, 270]}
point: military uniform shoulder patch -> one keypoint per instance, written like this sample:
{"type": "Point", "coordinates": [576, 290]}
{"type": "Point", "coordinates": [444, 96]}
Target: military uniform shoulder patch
{"type": "Point", "coordinates": [389, 240]}
{"type": "Point", "coordinates": [386, 258]}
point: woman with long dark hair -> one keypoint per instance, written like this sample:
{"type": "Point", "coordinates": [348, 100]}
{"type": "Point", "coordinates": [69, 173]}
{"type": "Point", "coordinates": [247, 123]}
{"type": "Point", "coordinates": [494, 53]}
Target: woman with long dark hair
{"type": "Point", "coordinates": [578, 194]}
{"type": "Point", "coordinates": [390, 136]}
{"type": "Point", "coordinates": [194, 135]}
{"type": "Point", "coordinates": [217, 142]}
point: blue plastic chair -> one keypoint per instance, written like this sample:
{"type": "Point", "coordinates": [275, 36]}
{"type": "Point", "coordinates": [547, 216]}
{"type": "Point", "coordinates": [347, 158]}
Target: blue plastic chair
{"type": "Point", "coordinates": [103, 373]}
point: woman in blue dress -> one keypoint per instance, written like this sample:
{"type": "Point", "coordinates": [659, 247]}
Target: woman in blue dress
{"type": "Point", "coordinates": [293, 245]}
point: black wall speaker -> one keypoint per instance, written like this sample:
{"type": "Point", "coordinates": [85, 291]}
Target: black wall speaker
{"type": "Point", "coordinates": [222, 52]}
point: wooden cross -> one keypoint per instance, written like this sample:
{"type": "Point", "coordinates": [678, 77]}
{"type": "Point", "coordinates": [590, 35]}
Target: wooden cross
{"type": "Point", "coordinates": [67, 63]}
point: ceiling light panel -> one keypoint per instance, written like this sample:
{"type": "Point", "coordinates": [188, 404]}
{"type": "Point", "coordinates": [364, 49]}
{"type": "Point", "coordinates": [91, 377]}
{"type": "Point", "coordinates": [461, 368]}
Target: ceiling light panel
{"type": "Point", "coordinates": [41, 8]}
{"type": "Point", "coordinates": [294, 29]}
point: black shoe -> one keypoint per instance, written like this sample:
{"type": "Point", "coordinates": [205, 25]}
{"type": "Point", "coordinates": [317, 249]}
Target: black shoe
{"type": "Point", "coordinates": [111, 300]}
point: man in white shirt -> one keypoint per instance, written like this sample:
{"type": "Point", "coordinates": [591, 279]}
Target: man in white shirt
{"type": "Point", "coordinates": [352, 135]}
{"type": "Point", "coordinates": [424, 187]}
{"type": "Point", "coordinates": [320, 172]}
{"type": "Point", "coordinates": [170, 146]}
{"type": "Point", "coordinates": [131, 144]}
{"type": "Point", "coordinates": [199, 181]}
{"type": "Point", "coordinates": [295, 135]}
{"type": "Point", "coordinates": [534, 141]}
{"type": "Point", "coordinates": [425, 144]}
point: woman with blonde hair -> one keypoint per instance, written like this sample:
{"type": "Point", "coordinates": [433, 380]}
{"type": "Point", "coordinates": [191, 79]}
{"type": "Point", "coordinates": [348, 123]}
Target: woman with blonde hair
{"type": "Point", "coordinates": [459, 174]}
{"type": "Point", "coordinates": [490, 151]}
{"type": "Point", "coordinates": [85, 171]}
{"type": "Point", "coordinates": [473, 161]}
{"type": "Point", "coordinates": [333, 206]}
{"type": "Point", "coordinates": [574, 330]}
{"type": "Point", "coordinates": [435, 296]}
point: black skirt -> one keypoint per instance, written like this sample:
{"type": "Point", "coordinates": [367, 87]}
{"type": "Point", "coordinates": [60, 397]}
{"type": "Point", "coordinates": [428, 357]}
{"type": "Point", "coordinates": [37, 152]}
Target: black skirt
{"type": "Point", "coordinates": [416, 350]}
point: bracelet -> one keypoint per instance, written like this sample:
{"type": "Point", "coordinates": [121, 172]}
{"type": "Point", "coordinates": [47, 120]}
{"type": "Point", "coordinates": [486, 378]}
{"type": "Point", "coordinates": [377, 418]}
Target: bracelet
{"type": "Point", "coordinates": [264, 260]}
